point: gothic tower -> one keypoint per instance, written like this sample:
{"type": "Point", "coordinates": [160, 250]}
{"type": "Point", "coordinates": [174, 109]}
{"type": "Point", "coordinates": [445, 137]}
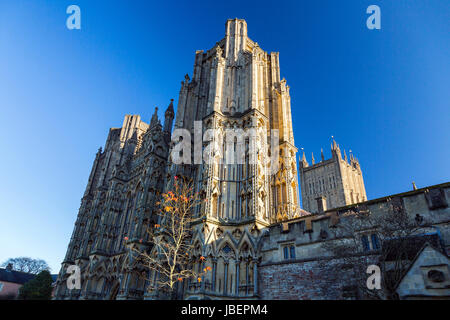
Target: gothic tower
{"type": "Point", "coordinates": [237, 104]}
{"type": "Point", "coordinates": [236, 110]}
{"type": "Point", "coordinates": [331, 183]}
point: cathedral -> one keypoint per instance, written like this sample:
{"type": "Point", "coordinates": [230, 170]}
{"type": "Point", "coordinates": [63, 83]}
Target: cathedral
{"type": "Point", "coordinates": [254, 228]}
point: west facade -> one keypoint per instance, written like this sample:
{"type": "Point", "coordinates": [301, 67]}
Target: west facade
{"type": "Point", "coordinates": [237, 93]}
{"type": "Point", "coordinates": [116, 209]}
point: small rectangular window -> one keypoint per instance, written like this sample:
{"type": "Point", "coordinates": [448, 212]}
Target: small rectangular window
{"type": "Point", "coordinates": [365, 242]}
{"type": "Point", "coordinates": [375, 241]}
{"type": "Point", "coordinates": [286, 253]}
{"type": "Point", "coordinates": [292, 252]}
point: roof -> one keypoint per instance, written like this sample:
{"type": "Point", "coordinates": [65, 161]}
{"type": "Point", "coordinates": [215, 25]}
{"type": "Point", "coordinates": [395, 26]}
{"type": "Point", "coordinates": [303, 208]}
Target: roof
{"type": "Point", "coordinates": [15, 276]}
{"type": "Point", "coordinates": [410, 245]}
{"type": "Point", "coordinates": [403, 194]}
{"type": "Point", "coordinates": [326, 214]}
{"type": "Point", "coordinates": [425, 245]}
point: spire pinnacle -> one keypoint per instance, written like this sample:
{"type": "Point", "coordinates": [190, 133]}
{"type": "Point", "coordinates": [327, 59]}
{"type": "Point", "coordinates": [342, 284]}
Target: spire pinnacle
{"type": "Point", "coordinates": [304, 163]}
{"type": "Point", "coordinates": [154, 120]}
{"type": "Point", "coordinates": [333, 143]}
{"type": "Point", "coordinates": [312, 158]}
{"type": "Point", "coordinates": [321, 154]}
{"type": "Point", "coordinates": [169, 110]}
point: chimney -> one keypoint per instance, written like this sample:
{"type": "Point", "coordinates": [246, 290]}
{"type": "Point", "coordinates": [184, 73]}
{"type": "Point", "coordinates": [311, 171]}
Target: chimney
{"type": "Point", "coordinates": [9, 267]}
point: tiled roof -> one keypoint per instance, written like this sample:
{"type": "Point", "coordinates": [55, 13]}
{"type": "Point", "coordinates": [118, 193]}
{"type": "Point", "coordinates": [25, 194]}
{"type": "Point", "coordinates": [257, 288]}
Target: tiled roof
{"type": "Point", "coordinates": [15, 276]}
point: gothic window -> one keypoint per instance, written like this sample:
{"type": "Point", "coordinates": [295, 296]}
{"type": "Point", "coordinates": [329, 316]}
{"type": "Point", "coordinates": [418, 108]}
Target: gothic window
{"type": "Point", "coordinates": [284, 193]}
{"type": "Point", "coordinates": [138, 198]}
{"type": "Point", "coordinates": [279, 194]}
{"type": "Point", "coordinates": [232, 209]}
{"type": "Point", "coordinates": [214, 206]}
{"type": "Point", "coordinates": [294, 192]}
{"type": "Point", "coordinates": [226, 249]}
{"type": "Point", "coordinates": [247, 166]}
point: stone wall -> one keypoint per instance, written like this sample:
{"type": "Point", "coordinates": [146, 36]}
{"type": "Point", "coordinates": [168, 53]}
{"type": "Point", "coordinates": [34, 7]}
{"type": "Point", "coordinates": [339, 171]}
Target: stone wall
{"type": "Point", "coordinates": [320, 279]}
{"type": "Point", "coordinates": [313, 272]}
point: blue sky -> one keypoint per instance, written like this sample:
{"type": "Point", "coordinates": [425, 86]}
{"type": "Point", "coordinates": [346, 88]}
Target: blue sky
{"type": "Point", "coordinates": [382, 93]}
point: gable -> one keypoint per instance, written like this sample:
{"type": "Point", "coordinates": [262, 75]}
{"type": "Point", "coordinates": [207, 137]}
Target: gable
{"type": "Point", "coordinates": [429, 276]}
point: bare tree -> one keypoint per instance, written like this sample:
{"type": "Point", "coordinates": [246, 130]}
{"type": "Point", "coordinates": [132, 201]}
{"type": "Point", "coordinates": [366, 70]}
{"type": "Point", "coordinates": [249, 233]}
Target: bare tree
{"type": "Point", "coordinates": [26, 264]}
{"type": "Point", "coordinates": [170, 255]}
{"type": "Point", "coordinates": [387, 238]}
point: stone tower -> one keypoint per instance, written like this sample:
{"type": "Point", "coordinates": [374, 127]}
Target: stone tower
{"type": "Point", "coordinates": [237, 94]}
{"type": "Point", "coordinates": [236, 110]}
{"type": "Point", "coordinates": [331, 183]}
